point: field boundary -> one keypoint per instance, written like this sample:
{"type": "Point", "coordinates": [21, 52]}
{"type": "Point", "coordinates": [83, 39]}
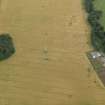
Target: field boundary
{"type": "Point", "coordinates": [98, 64]}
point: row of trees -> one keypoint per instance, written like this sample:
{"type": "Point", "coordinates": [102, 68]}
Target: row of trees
{"type": "Point", "coordinates": [97, 30]}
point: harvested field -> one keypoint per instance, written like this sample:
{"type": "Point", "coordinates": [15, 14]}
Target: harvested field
{"type": "Point", "coordinates": [50, 66]}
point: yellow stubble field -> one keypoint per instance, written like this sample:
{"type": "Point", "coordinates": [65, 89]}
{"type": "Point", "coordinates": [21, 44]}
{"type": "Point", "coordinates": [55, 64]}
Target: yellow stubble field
{"type": "Point", "coordinates": [50, 66]}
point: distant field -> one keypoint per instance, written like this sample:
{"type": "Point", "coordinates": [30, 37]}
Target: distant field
{"type": "Point", "coordinates": [100, 5]}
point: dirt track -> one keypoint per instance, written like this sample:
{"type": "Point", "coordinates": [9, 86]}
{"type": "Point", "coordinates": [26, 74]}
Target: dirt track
{"type": "Point", "coordinates": [50, 66]}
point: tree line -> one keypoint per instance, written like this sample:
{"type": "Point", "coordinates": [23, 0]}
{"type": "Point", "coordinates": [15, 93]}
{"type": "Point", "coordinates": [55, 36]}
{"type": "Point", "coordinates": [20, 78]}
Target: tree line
{"type": "Point", "coordinates": [97, 30]}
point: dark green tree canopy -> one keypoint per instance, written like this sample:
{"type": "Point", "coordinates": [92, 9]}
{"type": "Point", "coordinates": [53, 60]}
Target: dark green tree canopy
{"type": "Point", "coordinates": [97, 30]}
{"type": "Point", "coordinates": [6, 46]}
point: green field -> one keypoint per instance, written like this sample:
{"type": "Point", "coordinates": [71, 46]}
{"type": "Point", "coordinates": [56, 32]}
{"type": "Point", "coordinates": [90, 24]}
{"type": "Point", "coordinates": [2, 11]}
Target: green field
{"type": "Point", "coordinates": [101, 6]}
